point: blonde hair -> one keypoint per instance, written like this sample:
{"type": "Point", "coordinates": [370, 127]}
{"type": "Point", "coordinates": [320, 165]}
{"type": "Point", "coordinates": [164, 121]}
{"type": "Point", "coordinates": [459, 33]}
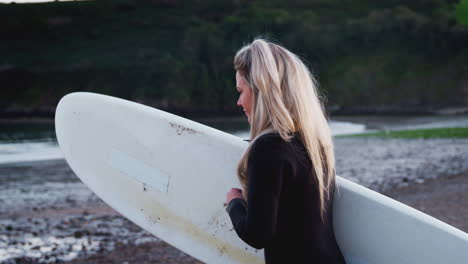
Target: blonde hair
{"type": "Point", "coordinates": [285, 100]}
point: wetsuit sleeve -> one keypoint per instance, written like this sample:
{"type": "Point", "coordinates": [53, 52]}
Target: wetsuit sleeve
{"type": "Point", "coordinates": [255, 221]}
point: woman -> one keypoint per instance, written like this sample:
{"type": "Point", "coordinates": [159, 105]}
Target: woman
{"type": "Point", "coordinates": [287, 173]}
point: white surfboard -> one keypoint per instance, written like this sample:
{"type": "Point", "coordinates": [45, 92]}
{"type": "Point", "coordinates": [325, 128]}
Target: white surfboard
{"type": "Point", "coordinates": [170, 176]}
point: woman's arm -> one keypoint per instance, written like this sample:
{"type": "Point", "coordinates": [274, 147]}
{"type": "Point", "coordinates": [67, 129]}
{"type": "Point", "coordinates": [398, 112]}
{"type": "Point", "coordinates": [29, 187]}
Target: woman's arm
{"type": "Point", "coordinates": [255, 221]}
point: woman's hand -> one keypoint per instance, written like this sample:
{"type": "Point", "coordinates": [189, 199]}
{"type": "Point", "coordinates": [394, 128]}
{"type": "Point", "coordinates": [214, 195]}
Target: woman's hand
{"type": "Point", "coordinates": [233, 193]}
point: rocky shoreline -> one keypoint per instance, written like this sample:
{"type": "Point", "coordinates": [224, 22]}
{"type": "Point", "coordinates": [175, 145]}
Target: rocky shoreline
{"type": "Point", "coordinates": [48, 216]}
{"type": "Point", "coordinates": [71, 236]}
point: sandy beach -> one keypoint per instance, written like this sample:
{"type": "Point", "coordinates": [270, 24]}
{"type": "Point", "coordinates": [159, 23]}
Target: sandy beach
{"type": "Point", "coordinates": [48, 216]}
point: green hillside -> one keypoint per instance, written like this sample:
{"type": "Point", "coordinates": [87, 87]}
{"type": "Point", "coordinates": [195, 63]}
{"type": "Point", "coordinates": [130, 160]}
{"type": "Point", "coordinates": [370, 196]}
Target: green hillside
{"type": "Point", "coordinates": [177, 55]}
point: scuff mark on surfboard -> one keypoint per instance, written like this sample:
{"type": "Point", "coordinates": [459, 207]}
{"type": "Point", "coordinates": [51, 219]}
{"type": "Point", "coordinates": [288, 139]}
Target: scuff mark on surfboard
{"type": "Point", "coordinates": [182, 129]}
{"type": "Point", "coordinates": [153, 219]}
{"type": "Point", "coordinates": [222, 250]}
{"type": "Point", "coordinates": [168, 183]}
{"type": "Point", "coordinates": [217, 223]}
{"type": "Point", "coordinates": [78, 119]}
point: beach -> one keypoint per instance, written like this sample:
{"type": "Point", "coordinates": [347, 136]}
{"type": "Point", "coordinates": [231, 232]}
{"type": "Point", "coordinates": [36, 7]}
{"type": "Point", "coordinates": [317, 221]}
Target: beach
{"type": "Point", "coordinates": [445, 198]}
{"type": "Point", "coordinates": [49, 216]}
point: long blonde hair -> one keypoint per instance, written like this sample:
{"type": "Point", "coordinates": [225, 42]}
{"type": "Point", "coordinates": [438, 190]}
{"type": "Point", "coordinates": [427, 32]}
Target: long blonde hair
{"type": "Point", "coordinates": [285, 100]}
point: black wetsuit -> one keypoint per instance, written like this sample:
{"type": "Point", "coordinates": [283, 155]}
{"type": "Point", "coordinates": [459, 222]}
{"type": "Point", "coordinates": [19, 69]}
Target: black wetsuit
{"type": "Point", "coordinates": [283, 211]}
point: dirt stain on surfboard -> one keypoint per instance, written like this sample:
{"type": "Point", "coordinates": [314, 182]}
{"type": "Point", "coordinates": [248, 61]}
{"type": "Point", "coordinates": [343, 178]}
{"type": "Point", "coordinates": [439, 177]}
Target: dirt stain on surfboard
{"type": "Point", "coordinates": [182, 129]}
{"type": "Point", "coordinates": [157, 213]}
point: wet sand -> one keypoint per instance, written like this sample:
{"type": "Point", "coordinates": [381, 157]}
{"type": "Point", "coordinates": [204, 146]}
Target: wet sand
{"type": "Point", "coordinates": [445, 198]}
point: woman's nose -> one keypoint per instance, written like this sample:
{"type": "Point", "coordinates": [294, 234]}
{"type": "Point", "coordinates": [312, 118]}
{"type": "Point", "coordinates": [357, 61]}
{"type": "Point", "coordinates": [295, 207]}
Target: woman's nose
{"type": "Point", "coordinates": [239, 102]}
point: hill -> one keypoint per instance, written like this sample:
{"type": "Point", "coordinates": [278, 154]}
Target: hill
{"type": "Point", "coordinates": [369, 56]}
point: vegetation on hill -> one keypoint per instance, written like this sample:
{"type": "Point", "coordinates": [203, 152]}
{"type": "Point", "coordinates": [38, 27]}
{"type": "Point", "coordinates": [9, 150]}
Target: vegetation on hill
{"type": "Point", "coordinates": [177, 55]}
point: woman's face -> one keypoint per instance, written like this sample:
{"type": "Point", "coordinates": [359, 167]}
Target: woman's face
{"type": "Point", "coordinates": [245, 95]}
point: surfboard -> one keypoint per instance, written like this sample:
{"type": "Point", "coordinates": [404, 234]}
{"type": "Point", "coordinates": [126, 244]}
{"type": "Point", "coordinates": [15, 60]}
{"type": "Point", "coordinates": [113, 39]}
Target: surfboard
{"type": "Point", "coordinates": [170, 176]}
